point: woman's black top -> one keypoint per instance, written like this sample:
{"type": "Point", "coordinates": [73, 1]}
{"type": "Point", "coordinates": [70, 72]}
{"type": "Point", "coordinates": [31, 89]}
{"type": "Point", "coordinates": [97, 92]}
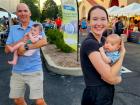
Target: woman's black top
{"type": "Point", "coordinates": [91, 76]}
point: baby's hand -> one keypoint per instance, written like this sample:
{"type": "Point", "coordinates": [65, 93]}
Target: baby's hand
{"type": "Point", "coordinates": [25, 38]}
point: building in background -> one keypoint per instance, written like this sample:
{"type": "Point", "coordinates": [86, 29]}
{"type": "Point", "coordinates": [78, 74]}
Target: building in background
{"type": "Point", "coordinates": [9, 5]}
{"type": "Point", "coordinates": [85, 5]}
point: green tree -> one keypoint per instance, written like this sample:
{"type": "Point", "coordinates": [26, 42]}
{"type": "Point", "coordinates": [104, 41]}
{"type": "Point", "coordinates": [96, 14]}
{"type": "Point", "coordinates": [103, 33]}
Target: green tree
{"type": "Point", "coordinates": [60, 11]}
{"type": "Point", "coordinates": [34, 7]}
{"type": "Point", "coordinates": [50, 10]}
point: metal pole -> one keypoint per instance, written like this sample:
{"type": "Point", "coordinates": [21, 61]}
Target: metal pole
{"type": "Point", "coordinates": [39, 11]}
{"type": "Point", "coordinates": [77, 33]}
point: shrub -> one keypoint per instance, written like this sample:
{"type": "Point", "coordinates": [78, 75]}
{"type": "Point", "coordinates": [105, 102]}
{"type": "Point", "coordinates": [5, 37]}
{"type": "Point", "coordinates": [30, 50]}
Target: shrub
{"type": "Point", "coordinates": [56, 37]}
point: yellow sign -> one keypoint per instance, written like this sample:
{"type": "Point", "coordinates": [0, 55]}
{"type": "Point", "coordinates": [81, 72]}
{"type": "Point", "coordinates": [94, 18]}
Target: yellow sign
{"type": "Point", "coordinates": [70, 22]}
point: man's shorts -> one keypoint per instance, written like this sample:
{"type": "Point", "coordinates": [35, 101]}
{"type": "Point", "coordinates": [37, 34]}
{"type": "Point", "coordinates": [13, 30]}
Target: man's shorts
{"type": "Point", "coordinates": [19, 82]}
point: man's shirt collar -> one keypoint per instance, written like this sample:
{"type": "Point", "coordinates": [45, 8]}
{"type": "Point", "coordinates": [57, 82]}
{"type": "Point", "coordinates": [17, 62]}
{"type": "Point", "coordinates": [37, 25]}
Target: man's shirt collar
{"type": "Point", "coordinates": [29, 25]}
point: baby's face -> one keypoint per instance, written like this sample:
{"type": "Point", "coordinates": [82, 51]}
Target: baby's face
{"type": "Point", "coordinates": [35, 31]}
{"type": "Point", "coordinates": [111, 45]}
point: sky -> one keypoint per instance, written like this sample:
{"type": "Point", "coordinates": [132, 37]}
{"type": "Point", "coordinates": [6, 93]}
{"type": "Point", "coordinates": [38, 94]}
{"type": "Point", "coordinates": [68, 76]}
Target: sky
{"type": "Point", "coordinates": [58, 2]}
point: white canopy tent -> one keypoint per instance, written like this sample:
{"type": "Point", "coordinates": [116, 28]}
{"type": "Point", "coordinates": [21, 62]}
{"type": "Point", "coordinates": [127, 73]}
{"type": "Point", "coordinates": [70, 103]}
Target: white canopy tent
{"type": "Point", "coordinates": [113, 9]}
{"type": "Point", "coordinates": [13, 16]}
{"type": "Point", "coordinates": [2, 13]}
{"type": "Point", "coordinates": [136, 12]}
{"type": "Point", "coordinates": [127, 11]}
{"type": "Point", "coordinates": [116, 13]}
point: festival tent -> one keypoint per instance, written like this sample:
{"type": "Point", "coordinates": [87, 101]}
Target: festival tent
{"type": "Point", "coordinates": [136, 12]}
{"type": "Point", "coordinates": [128, 10]}
{"type": "Point", "coordinates": [13, 16]}
{"type": "Point", "coordinates": [112, 9]}
{"type": "Point", "coordinates": [2, 13]}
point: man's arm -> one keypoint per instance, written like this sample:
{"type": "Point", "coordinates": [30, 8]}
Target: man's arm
{"type": "Point", "coordinates": [22, 40]}
{"type": "Point", "coordinates": [36, 45]}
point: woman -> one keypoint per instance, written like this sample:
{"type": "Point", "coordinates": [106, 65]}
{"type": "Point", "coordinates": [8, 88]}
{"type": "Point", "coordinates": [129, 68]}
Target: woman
{"type": "Point", "coordinates": [99, 77]}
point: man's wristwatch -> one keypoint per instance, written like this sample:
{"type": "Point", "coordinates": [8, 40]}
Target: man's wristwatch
{"type": "Point", "coordinates": [26, 47]}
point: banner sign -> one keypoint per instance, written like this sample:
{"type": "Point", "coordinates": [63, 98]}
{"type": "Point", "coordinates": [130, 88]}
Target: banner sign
{"type": "Point", "coordinates": [70, 22]}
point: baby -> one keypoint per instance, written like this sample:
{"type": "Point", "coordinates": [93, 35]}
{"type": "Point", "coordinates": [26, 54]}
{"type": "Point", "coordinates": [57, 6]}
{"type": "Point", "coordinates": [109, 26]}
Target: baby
{"type": "Point", "coordinates": [32, 37]}
{"type": "Point", "coordinates": [110, 51]}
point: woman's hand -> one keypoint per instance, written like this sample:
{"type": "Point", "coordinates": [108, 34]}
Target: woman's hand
{"type": "Point", "coordinates": [101, 49]}
{"type": "Point", "coordinates": [122, 49]}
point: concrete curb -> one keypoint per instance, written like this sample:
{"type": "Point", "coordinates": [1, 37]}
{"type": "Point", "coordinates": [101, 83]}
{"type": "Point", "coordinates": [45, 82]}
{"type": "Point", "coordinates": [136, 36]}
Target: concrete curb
{"type": "Point", "coordinates": [74, 71]}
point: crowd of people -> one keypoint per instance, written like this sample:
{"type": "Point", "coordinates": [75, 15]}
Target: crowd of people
{"type": "Point", "coordinates": [5, 26]}
{"type": "Point", "coordinates": [52, 24]}
{"type": "Point", "coordinates": [4, 22]}
{"type": "Point", "coordinates": [118, 25]}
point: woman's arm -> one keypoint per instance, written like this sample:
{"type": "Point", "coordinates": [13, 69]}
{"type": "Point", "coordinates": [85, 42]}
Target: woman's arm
{"type": "Point", "coordinates": [105, 58]}
{"type": "Point", "coordinates": [107, 72]}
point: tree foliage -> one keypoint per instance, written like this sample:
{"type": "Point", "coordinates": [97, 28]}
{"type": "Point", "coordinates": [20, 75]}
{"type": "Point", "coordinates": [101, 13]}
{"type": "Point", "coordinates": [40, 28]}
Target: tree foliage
{"type": "Point", "coordinates": [34, 7]}
{"type": "Point", "coordinates": [59, 11]}
{"type": "Point", "coordinates": [50, 10]}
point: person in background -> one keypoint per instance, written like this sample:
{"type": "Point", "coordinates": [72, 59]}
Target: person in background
{"type": "Point", "coordinates": [135, 28]}
{"type": "Point", "coordinates": [28, 69]}
{"type": "Point", "coordinates": [99, 76]}
{"type": "Point", "coordinates": [138, 24]}
{"type": "Point", "coordinates": [131, 23]}
{"type": "Point", "coordinates": [83, 25]}
{"type": "Point", "coordinates": [119, 27]}
{"type": "Point", "coordinates": [58, 22]}
{"type": "Point", "coordinates": [15, 21]}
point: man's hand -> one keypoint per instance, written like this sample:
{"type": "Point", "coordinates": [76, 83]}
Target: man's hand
{"type": "Point", "coordinates": [21, 50]}
{"type": "Point", "coordinates": [25, 38]}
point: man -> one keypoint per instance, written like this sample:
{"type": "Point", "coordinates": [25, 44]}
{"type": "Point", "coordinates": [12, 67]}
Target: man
{"type": "Point", "coordinates": [58, 22]}
{"type": "Point", "coordinates": [28, 69]}
{"type": "Point", "coordinates": [119, 27]}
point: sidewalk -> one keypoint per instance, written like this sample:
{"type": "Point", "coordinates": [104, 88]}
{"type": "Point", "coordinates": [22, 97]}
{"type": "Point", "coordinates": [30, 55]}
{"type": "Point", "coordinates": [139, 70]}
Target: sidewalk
{"type": "Point", "coordinates": [67, 90]}
{"type": "Point", "coordinates": [123, 95]}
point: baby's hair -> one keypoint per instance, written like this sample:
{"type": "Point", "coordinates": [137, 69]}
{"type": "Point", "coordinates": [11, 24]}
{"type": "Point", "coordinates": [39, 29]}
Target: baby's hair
{"type": "Point", "coordinates": [115, 36]}
{"type": "Point", "coordinates": [38, 25]}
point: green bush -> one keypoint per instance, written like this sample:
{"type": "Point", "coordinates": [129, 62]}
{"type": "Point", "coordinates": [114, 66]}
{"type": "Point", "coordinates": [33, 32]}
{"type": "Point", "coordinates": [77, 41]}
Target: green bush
{"type": "Point", "coordinates": [56, 37]}
{"type": "Point", "coordinates": [67, 49]}
{"type": "Point", "coordinates": [51, 36]}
